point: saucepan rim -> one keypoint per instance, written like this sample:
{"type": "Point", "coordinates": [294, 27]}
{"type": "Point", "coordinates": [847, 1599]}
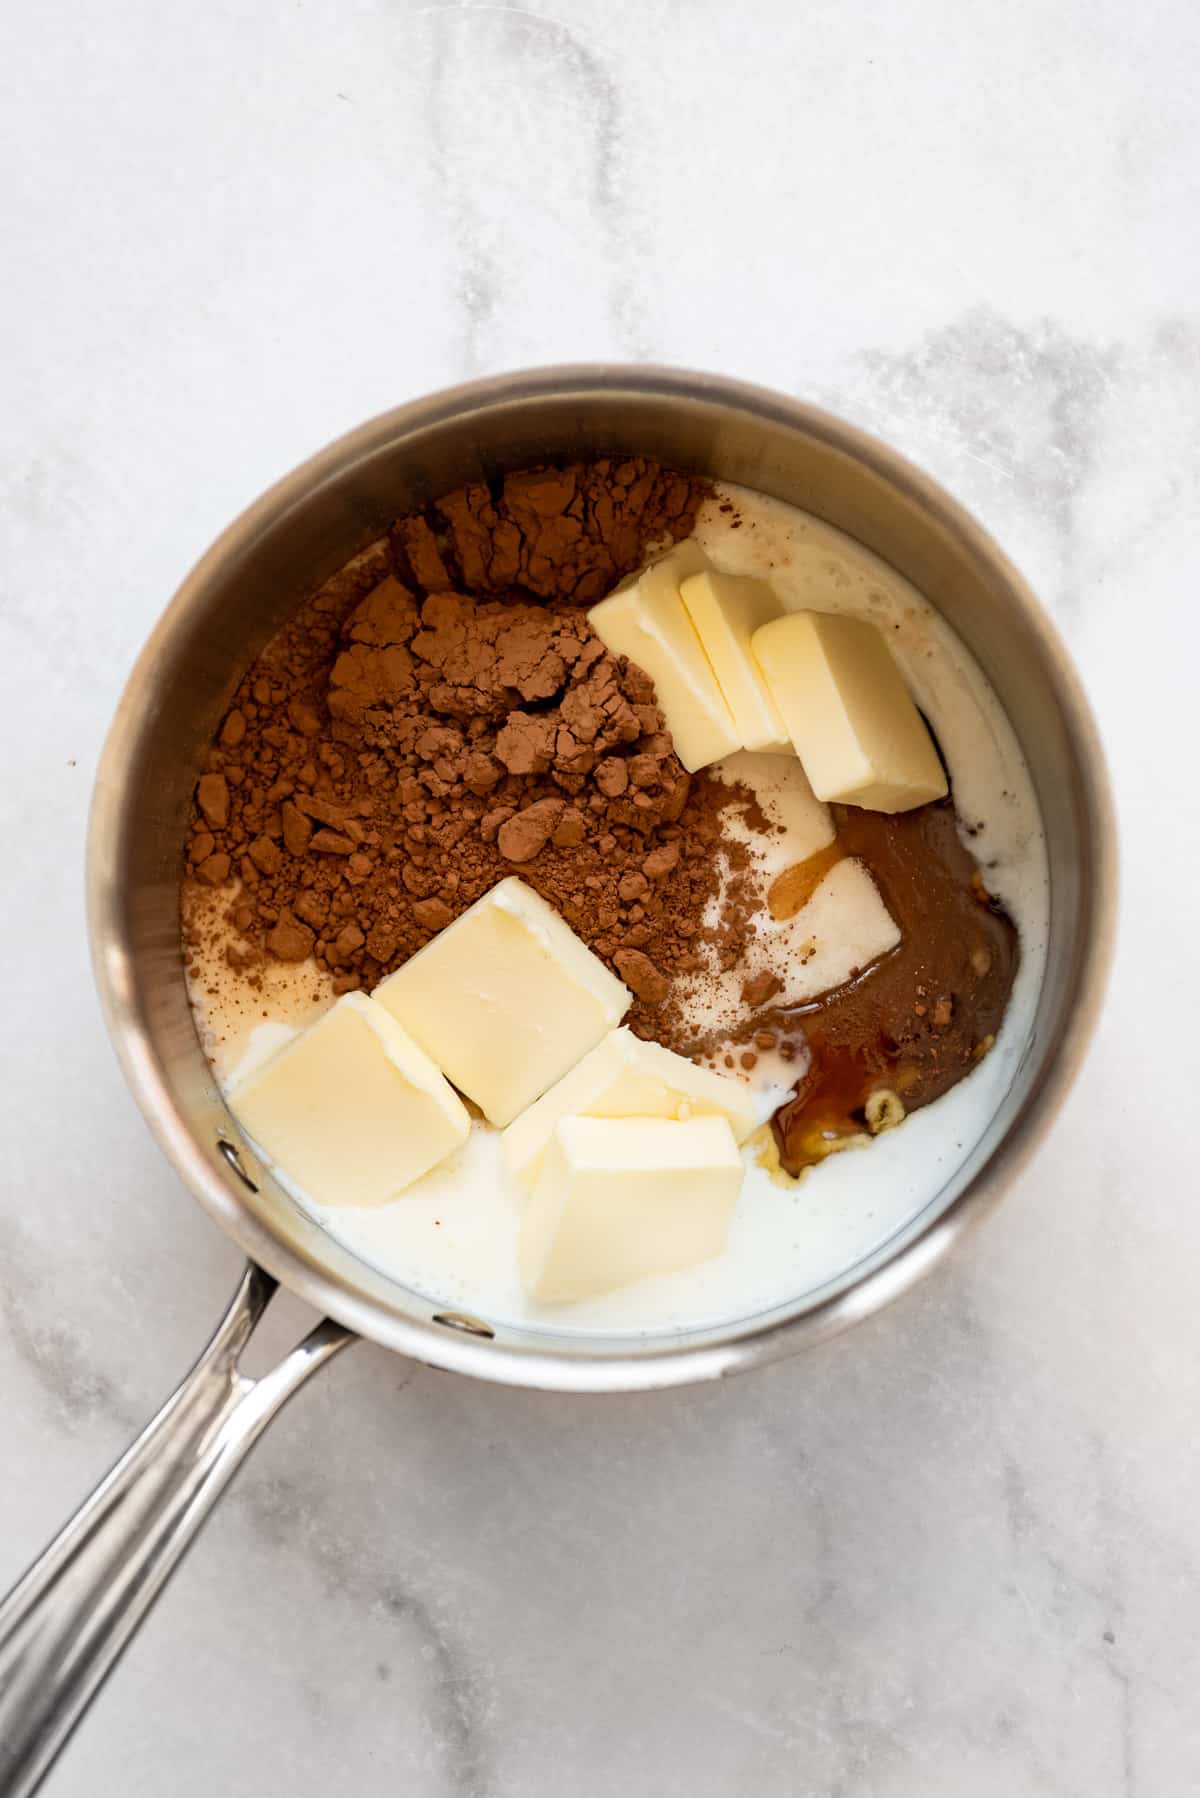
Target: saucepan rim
{"type": "Point", "coordinates": [662, 1361]}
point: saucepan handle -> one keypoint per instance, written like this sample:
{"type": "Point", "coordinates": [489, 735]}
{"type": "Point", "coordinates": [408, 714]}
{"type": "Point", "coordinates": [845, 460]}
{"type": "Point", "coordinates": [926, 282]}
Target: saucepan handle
{"type": "Point", "coordinates": [64, 1625]}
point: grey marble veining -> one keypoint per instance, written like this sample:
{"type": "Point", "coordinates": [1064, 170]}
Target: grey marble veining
{"type": "Point", "coordinates": [956, 1554]}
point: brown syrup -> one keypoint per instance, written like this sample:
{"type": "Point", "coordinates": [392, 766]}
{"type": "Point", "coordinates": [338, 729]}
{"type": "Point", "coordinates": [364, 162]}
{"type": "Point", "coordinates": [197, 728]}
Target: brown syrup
{"type": "Point", "coordinates": [919, 1018]}
{"type": "Point", "coordinates": [796, 885]}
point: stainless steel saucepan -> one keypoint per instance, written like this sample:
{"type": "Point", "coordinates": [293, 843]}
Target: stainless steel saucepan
{"type": "Point", "coordinates": [64, 1625]}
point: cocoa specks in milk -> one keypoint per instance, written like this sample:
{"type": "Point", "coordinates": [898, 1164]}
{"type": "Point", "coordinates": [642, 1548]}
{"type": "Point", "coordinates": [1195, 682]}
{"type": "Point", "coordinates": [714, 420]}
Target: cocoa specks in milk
{"type": "Point", "coordinates": [439, 715]}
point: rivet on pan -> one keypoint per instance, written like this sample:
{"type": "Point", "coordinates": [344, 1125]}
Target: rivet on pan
{"type": "Point", "coordinates": [235, 1161]}
{"type": "Point", "coordinates": [470, 1326]}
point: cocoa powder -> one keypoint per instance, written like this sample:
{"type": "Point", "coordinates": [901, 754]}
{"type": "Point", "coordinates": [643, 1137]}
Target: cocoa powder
{"type": "Point", "coordinates": [439, 715]}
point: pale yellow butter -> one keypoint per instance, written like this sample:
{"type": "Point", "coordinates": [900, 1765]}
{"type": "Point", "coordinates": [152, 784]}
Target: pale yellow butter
{"type": "Point", "coordinates": [352, 1109]}
{"type": "Point", "coordinates": [626, 1077]}
{"type": "Point", "coordinates": [620, 1198]}
{"type": "Point", "coordinates": [646, 620]}
{"type": "Point", "coordinates": [850, 716]}
{"type": "Point", "coordinates": [726, 610]}
{"type": "Point", "coordinates": [505, 999]}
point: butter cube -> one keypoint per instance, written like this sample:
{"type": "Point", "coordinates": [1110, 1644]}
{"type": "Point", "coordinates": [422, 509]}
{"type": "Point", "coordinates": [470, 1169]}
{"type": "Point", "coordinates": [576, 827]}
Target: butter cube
{"type": "Point", "coordinates": [726, 610]}
{"type": "Point", "coordinates": [851, 718]}
{"type": "Point", "coordinates": [619, 1198]}
{"type": "Point", "coordinates": [505, 999]}
{"type": "Point", "coordinates": [352, 1110]}
{"type": "Point", "coordinates": [646, 620]}
{"type": "Point", "coordinates": [625, 1077]}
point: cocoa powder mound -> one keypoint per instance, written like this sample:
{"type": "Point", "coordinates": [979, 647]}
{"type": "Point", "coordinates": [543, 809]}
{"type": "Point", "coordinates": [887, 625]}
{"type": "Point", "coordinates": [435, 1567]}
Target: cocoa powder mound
{"type": "Point", "coordinates": [440, 714]}
{"type": "Point", "coordinates": [556, 533]}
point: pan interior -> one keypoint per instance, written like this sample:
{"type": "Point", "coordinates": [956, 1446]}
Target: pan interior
{"type": "Point", "coordinates": [308, 527]}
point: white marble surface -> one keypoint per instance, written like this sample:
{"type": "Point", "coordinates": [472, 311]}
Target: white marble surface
{"type": "Point", "coordinates": [957, 1553]}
